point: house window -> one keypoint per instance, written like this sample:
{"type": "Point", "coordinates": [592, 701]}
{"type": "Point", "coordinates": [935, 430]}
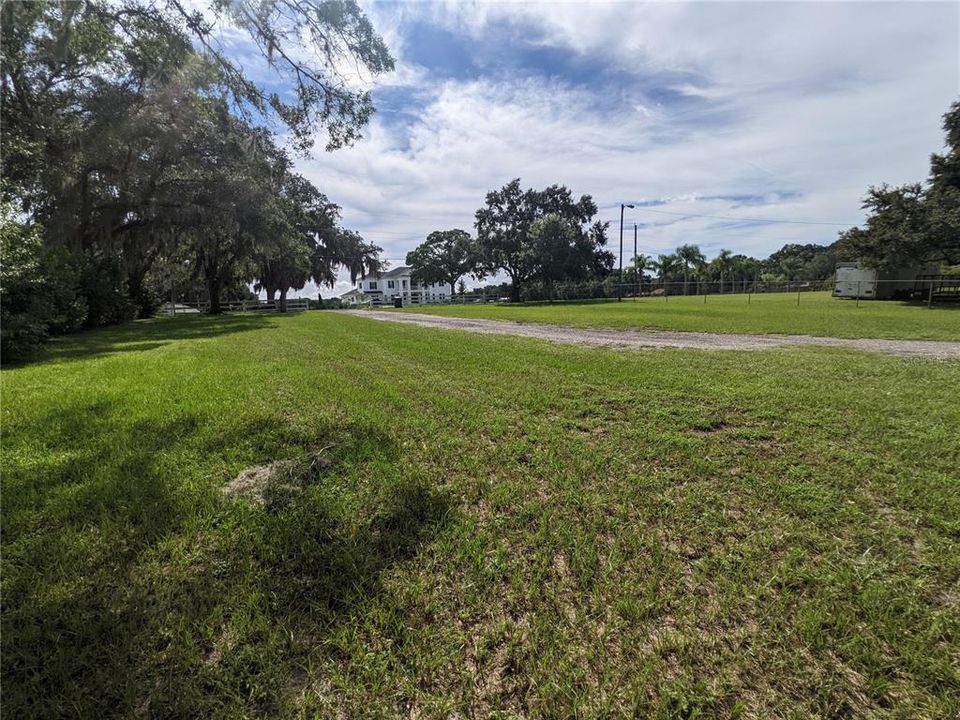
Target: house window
{"type": "Point", "coordinates": [404, 284]}
{"type": "Point", "coordinates": [373, 285]}
{"type": "Point", "coordinates": [390, 284]}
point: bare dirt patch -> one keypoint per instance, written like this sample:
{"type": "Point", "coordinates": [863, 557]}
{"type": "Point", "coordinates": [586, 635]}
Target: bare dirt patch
{"type": "Point", "coordinates": [709, 428]}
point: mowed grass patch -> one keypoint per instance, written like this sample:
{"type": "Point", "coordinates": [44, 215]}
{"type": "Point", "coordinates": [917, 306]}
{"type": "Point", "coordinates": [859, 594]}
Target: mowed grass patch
{"type": "Point", "coordinates": [498, 526]}
{"type": "Point", "coordinates": [818, 313]}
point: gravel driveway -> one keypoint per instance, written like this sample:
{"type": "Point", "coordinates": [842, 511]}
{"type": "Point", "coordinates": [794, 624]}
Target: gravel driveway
{"type": "Point", "coordinates": [661, 338]}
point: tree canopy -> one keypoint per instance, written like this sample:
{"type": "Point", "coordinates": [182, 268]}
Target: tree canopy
{"type": "Point", "coordinates": [139, 149]}
{"type": "Point", "coordinates": [445, 257]}
{"type": "Point", "coordinates": [541, 235]}
{"type": "Point", "coordinates": [915, 224]}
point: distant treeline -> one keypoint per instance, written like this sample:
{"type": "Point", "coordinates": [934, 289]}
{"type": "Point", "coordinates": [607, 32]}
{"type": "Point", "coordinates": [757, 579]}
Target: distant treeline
{"type": "Point", "coordinates": [687, 270]}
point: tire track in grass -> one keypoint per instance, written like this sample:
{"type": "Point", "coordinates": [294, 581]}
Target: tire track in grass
{"type": "Point", "coordinates": [646, 339]}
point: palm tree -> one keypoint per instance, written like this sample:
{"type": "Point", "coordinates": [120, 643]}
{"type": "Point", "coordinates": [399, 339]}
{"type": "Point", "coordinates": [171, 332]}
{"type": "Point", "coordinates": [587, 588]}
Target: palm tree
{"type": "Point", "coordinates": [722, 265]}
{"type": "Point", "coordinates": [641, 262]}
{"type": "Point", "coordinates": [638, 264]}
{"type": "Point", "coordinates": [692, 259]}
{"type": "Point", "coordinates": [666, 266]}
{"type": "Point", "coordinates": [745, 269]}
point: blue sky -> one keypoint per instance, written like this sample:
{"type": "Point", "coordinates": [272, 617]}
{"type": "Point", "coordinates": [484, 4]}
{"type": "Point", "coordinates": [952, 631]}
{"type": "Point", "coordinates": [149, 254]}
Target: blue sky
{"type": "Point", "coordinates": [718, 120]}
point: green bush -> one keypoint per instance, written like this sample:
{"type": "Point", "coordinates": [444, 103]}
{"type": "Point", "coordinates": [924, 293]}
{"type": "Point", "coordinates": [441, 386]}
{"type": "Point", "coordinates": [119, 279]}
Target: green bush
{"type": "Point", "coordinates": [103, 285]}
{"type": "Point", "coordinates": [37, 291]}
{"type": "Point", "coordinates": [326, 304]}
{"type": "Point", "coordinates": [569, 290]}
{"type": "Point", "coordinates": [69, 308]}
{"type": "Point", "coordinates": [146, 300]}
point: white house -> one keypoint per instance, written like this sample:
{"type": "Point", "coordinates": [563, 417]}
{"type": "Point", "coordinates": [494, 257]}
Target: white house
{"type": "Point", "coordinates": [385, 288]}
{"type": "Point", "coordinates": [354, 297]}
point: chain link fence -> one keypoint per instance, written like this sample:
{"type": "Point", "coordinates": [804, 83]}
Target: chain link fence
{"type": "Point", "coordinates": [929, 290]}
{"type": "Point", "coordinates": [926, 290]}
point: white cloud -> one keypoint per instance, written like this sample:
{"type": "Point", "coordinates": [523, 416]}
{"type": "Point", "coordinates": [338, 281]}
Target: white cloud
{"type": "Point", "coordinates": [817, 100]}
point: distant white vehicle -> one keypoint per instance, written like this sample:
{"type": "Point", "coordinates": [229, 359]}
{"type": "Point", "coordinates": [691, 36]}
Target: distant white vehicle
{"type": "Point", "coordinates": [853, 279]}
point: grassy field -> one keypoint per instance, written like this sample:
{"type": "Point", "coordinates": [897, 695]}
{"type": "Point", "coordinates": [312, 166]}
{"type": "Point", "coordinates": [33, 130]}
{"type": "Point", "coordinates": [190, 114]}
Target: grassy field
{"type": "Point", "coordinates": [489, 526]}
{"type": "Point", "coordinates": [817, 314]}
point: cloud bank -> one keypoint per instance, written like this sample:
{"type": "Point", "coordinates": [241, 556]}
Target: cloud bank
{"type": "Point", "coordinates": [718, 120]}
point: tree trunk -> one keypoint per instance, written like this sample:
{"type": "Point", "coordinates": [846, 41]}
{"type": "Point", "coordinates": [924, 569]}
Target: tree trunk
{"type": "Point", "coordinates": [271, 293]}
{"type": "Point", "coordinates": [453, 290]}
{"type": "Point", "coordinates": [283, 301]}
{"type": "Point", "coordinates": [213, 295]}
{"type": "Point", "coordinates": [136, 292]}
{"type": "Point", "coordinates": [514, 291]}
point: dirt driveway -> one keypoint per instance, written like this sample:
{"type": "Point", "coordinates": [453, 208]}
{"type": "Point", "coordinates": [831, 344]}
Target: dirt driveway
{"type": "Point", "coordinates": [661, 338]}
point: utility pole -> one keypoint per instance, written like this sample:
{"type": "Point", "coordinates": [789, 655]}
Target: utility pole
{"type": "Point", "coordinates": [635, 265]}
{"type": "Point", "coordinates": [173, 295]}
{"type": "Point", "coordinates": [620, 282]}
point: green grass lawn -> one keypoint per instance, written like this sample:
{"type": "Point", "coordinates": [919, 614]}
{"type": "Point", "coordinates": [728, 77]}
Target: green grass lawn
{"type": "Point", "coordinates": [817, 314]}
{"type": "Point", "coordinates": [476, 526]}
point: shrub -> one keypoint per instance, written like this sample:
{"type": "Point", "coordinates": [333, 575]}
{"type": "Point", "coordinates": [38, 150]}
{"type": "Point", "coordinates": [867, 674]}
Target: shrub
{"type": "Point", "coordinates": [69, 308]}
{"type": "Point", "coordinates": [37, 291]}
{"type": "Point", "coordinates": [146, 301]}
{"type": "Point", "coordinates": [103, 284]}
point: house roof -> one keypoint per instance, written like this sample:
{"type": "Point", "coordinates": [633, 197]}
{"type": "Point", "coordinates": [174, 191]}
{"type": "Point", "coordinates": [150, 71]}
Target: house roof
{"type": "Point", "coordinates": [399, 270]}
{"type": "Point", "coordinates": [350, 293]}
{"type": "Point", "coordinates": [392, 273]}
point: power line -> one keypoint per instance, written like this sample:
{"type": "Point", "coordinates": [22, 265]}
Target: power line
{"type": "Point", "coordinates": [402, 235]}
{"type": "Point", "coordinates": [744, 219]}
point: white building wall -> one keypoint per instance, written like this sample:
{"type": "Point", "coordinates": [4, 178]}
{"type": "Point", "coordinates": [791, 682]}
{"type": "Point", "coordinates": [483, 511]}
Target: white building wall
{"type": "Point", "coordinates": [403, 286]}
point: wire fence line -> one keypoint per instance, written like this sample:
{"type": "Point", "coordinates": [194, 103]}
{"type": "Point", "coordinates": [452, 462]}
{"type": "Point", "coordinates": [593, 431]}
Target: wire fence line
{"type": "Point", "coordinates": [930, 291]}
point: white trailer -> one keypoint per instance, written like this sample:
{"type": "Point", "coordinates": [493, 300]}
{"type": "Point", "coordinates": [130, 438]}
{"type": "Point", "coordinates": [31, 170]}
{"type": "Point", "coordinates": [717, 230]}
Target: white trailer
{"type": "Point", "coordinates": [854, 280]}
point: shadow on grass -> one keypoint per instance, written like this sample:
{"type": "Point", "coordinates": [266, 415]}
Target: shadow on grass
{"type": "Point", "coordinates": [144, 335]}
{"type": "Point", "coordinates": [74, 526]}
{"type": "Point", "coordinates": [126, 593]}
{"type": "Point", "coordinates": [938, 304]}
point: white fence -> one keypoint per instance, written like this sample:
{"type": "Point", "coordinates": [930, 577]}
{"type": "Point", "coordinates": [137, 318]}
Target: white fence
{"type": "Point", "coordinates": [293, 304]}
